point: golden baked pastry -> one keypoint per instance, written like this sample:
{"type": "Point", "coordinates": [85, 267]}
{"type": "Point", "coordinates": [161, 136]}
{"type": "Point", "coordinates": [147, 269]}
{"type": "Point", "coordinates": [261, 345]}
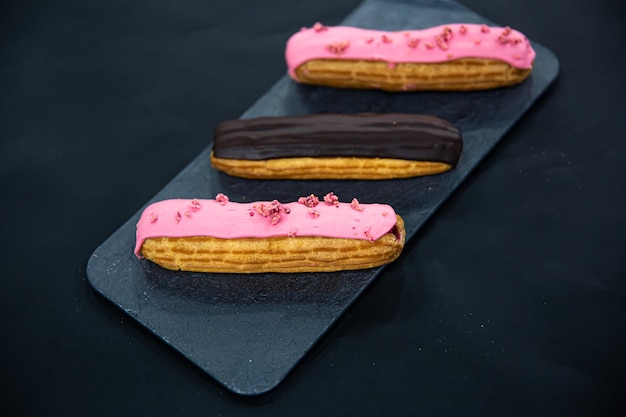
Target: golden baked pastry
{"type": "Point", "coordinates": [343, 168]}
{"type": "Point", "coordinates": [460, 75]}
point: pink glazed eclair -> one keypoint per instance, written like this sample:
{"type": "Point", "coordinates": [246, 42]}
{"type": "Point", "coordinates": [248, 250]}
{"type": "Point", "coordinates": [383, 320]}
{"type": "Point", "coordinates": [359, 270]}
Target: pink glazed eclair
{"type": "Point", "coordinates": [308, 235]}
{"type": "Point", "coordinates": [456, 56]}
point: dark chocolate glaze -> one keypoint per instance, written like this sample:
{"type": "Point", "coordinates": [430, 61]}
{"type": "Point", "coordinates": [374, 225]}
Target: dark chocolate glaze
{"type": "Point", "coordinates": [391, 135]}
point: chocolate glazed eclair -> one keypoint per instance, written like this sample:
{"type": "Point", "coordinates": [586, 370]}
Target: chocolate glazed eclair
{"type": "Point", "coordinates": [336, 146]}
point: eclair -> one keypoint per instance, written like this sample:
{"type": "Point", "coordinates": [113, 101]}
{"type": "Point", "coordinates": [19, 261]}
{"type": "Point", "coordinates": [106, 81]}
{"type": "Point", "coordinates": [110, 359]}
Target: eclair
{"type": "Point", "coordinates": [458, 57]}
{"type": "Point", "coordinates": [336, 146]}
{"type": "Point", "coordinates": [308, 235]}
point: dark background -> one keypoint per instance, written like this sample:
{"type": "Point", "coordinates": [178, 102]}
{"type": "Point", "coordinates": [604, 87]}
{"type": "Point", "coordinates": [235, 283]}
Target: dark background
{"type": "Point", "coordinates": [511, 301]}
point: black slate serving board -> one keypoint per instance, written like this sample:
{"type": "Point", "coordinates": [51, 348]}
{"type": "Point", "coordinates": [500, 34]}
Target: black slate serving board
{"type": "Point", "coordinates": [249, 331]}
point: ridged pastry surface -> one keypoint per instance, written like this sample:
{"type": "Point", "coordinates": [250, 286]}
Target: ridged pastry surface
{"type": "Point", "coordinates": [340, 168]}
{"type": "Point", "coordinates": [275, 254]}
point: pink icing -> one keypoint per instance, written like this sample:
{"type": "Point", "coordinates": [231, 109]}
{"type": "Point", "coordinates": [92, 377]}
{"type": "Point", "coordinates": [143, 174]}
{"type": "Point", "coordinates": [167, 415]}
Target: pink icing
{"type": "Point", "coordinates": [230, 220]}
{"type": "Point", "coordinates": [437, 44]}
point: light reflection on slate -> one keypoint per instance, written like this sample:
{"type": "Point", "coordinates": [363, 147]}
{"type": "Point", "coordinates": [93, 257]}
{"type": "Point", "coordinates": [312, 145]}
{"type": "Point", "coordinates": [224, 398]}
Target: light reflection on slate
{"type": "Point", "coordinates": [249, 331]}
